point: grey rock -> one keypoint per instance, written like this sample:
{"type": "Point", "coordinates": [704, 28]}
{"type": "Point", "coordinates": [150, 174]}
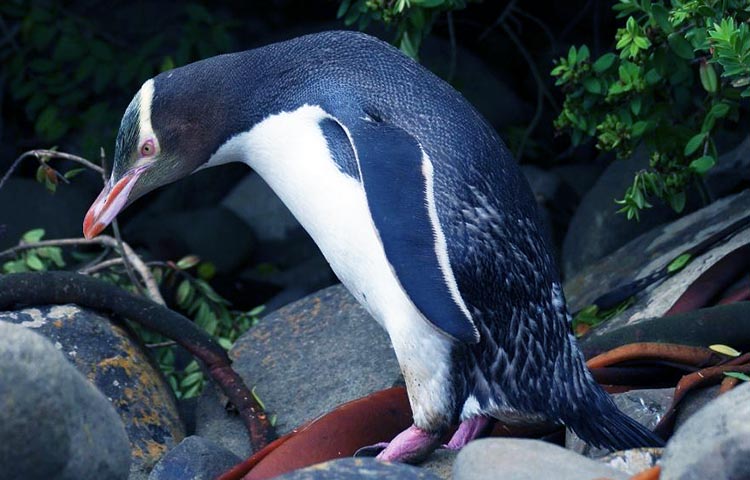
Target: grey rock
{"type": "Point", "coordinates": [358, 468]}
{"type": "Point", "coordinates": [213, 421]}
{"type": "Point", "coordinates": [596, 228]}
{"type": "Point", "coordinates": [580, 177]}
{"type": "Point", "coordinates": [195, 458]}
{"type": "Point", "coordinates": [303, 361]}
{"type": "Point", "coordinates": [693, 402]}
{"type": "Point", "coordinates": [113, 361]}
{"type": "Point", "coordinates": [53, 423]}
{"type": "Point", "coordinates": [440, 463]}
{"type": "Point", "coordinates": [633, 461]}
{"type": "Point", "coordinates": [732, 172]}
{"type": "Point", "coordinates": [523, 459]}
{"type": "Point", "coordinates": [714, 443]}
{"type": "Point", "coordinates": [647, 407]}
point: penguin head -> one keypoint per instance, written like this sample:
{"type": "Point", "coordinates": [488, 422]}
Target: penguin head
{"type": "Point", "coordinates": [168, 131]}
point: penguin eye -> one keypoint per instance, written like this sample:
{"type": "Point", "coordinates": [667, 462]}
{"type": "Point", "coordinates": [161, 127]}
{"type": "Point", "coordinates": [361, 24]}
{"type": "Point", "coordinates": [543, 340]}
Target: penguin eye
{"type": "Point", "coordinates": [148, 148]}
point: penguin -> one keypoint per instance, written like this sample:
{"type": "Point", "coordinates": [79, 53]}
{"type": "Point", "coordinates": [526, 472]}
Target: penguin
{"type": "Point", "coordinates": [414, 201]}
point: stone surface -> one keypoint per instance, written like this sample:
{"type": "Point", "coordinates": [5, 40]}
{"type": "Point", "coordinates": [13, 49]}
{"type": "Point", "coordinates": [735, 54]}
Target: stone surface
{"type": "Point", "coordinates": [195, 458]}
{"type": "Point", "coordinates": [693, 402]}
{"type": "Point", "coordinates": [714, 443]}
{"type": "Point", "coordinates": [53, 422]}
{"type": "Point", "coordinates": [596, 228]}
{"type": "Point", "coordinates": [358, 468]}
{"type": "Point", "coordinates": [440, 463]}
{"type": "Point", "coordinates": [302, 361]}
{"type": "Point", "coordinates": [647, 407]}
{"type": "Point", "coordinates": [106, 354]}
{"type": "Point", "coordinates": [522, 459]}
{"type": "Point", "coordinates": [633, 461]}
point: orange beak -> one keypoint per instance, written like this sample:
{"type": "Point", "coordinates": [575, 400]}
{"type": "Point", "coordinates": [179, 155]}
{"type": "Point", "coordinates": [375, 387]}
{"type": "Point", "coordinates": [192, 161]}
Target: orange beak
{"type": "Point", "coordinates": [109, 203]}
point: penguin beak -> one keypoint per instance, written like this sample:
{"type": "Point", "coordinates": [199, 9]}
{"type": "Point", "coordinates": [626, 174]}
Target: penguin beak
{"type": "Point", "coordinates": [109, 203]}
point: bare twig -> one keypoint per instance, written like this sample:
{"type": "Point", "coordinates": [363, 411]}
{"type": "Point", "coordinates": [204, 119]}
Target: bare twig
{"type": "Point", "coordinates": [39, 154]}
{"type": "Point", "coordinates": [138, 265]}
{"type": "Point", "coordinates": [167, 343]}
{"type": "Point", "coordinates": [102, 265]}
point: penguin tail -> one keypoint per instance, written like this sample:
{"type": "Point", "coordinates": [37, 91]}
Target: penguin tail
{"type": "Point", "coordinates": [603, 425]}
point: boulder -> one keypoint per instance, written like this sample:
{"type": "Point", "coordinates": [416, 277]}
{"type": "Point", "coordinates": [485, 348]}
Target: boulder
{"type": "Point", "coordinates": [523, 459]}
{"type": "Point", "coordinates": [53, 423]}
{"type": "Point", "coordinates": [195, 458]}
{"type": "Point", "coordinates": [107, 354]}
{"type": "Point", "coordinates": [357, 469]}
{"type": "Point", "coordinates": [714, 443]}
{"type": "Point", "coordinates": [302, 361]}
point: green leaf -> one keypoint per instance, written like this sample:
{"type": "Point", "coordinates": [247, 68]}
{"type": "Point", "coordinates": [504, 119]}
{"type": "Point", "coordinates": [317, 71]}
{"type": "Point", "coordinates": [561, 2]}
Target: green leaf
{"type": "Point", "coordinates": [188, 262]}
{"type": "Point", "coordinates": [703, 164]}
{"type": "Point", "coordinates": [639, 128]}
{"type": "Point", "coordinates": [679, 263]}
{"type": "Point", "coordinates": [343, 7]}
{"type": "Point", "coordinates": [191, 379]}
{"type": "Point", "coordinates": [738, 375]}
{"type": "Point", "coordinates": [725, 350]}
{"type": "Point", "coordinates": [680, 46]}
{"type": "Point", "coordinates": [184, 293]}
{"type": "Point", "coordinates": [694, 143]}
{"type": "Point", "coordinates": [592, 85]}
{"type": "Point", "coordinates": [604, 62]}
{"type": "Point", "coordinates": [34, 263]}
{"type": "Point", "coordinates": [33, 236]}
{"type": "Point", "coordinates": [73, 172]}
{"type": "Point", "coordinates": [720, 110]}
{"type": "Point", "coordinates": [225, 343]}
{"type": "Point", "coordinates": [677, 202]}
{"type": "Point", "coordinates": [661, 16]}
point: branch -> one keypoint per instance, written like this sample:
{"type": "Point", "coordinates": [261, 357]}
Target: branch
{"type": "Point", "coordinates": [39, 154]}
{"type": "Point", "coordinates": [56, 288]}
{"type": "Point", "coordinates": [104, 240]}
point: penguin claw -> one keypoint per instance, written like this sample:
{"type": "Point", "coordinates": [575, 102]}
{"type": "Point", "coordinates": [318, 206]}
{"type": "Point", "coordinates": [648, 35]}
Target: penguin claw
{"type": "Point", "coordinates": [410, 446]}
{"type": "Point", "coordinates": [469, 430]}
{"type": "Point", "coordinates": [371, 450]}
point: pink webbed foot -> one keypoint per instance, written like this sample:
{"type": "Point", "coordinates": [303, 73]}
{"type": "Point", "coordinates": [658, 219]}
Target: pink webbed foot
{"type": "Point", "coordinates": [469, 430]}
{"type": "Point", "coordinates": [410, 446]}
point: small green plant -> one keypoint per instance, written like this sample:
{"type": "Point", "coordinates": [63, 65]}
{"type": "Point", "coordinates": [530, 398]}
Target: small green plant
{"type": "Point", "coordinates": [412, 19]}
{"type": "Point", "coordinates": [679, 70]}
{"type": "Point", "coordinates": [591, 316]}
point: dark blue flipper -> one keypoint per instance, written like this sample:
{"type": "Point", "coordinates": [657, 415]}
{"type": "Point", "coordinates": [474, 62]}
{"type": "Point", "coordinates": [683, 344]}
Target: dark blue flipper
{"type": "Point", "coordinates": [393, 174]}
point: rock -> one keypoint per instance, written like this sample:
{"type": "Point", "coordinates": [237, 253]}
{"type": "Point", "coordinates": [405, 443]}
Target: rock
{"type": "Point", "coordinates": [523, 459]}
{"type": "Point", "coordinates": [714, 443]}
{"type": "Point", "coordinates": [358, 468]}
{"type": "Point", "coordinates": [580, 177]}
{"type": "Point", "coordinates": [53, 422]}
{"type": "Point", "coordinates": [60, 213]}
{"type": "Point", "coordinates": [195, 458]}
{"type": "Point", "coordinates": [177, 234]}
{"type": "Point", "coordinates": [633, 461]}
{"type": "Point", "coordinates": [653, 251]}
{"type": "Point", "coordinates": [440, 463]}
{"type": "Point", "coordinates": [213, 421]}
{"type": "Point", "coordinates": [304, 360]}
{"type": "Point", "coordinates": [596, 228]}
{"type": "Point", "coordinates": [732, 172]}
{"type": "Point", "coordinates": [647, 407]}
{"type": "Point", "coordinates": [105, 353]}
{"type": "Point", "coordinates": [693, 402]}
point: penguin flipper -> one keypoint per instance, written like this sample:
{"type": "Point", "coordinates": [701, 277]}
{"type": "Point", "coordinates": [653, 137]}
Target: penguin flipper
{"type": "Point", "coordinates": [397, 177]}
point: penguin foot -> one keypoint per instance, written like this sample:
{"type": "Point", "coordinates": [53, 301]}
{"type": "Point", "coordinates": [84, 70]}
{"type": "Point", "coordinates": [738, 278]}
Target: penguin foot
{"type": "Point", "coordinates": [469, 430]}
{"type": "Point", "coordinates": [410, 446]}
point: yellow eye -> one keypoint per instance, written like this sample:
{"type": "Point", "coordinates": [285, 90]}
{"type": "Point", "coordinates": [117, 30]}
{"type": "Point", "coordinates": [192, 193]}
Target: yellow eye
{"type": "Point", "coordinates": [148, 148]}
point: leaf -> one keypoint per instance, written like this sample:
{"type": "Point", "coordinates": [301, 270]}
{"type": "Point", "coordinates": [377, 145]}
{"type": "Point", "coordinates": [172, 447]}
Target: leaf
{"type": "Point", "coordinates": [343, 8]}
{"type": "Point", "coordinates": [34, 263]}
{"type": "Point", "coordinates": [680, 46]}
{"type": "Point", "coordinates": [708, 77]}
{"type": "Point", "coordinates": [738, 376]}
{"type": "Point", "coordinates": [703, 164]}
{"type": "Point", "coordinates": [604, 62]}
{"type": "Point", "coordinates": [73, 172]}
{"type": "Point", "coordinates": [720, 110]}
{"type": "Point", "coordinates": [679, 263]}
{"type": "Point", "coordinates": [724, 350]}
{"type": "Point", "coordinates": [677, 202]}
{"type": "Point", "coordinates": [639, 128]}
{"type": "Point", "coordinates": [187, 262]}
{"type": "Point", "coordinates": [184, 292]}
{"type": "Point", "coordinates": [225, 343]}
{"type": "Point", "coordinates": [694, 143]}
{"type": "Point", "coordinates": [592, 85]}
{"type": "Point", "coordinates": [191, 379]}
{"type": "Point", "coordinates": [33, 236]}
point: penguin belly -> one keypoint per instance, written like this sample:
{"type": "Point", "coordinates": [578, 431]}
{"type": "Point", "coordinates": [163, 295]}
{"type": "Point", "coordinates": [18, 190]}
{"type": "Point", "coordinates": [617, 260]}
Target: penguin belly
{"type": "Point", "coordinates": [289, 151]}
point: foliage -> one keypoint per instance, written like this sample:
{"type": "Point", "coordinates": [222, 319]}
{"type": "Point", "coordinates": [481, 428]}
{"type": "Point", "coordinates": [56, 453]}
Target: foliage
{"type": "Point", "coordinates": [193, 296]}
{"type": "Point", "coordinates": [413, 19]}
{"type": "Point", "coordinates": [65, 72]}
{"type": "Point", "coordinates": [679, 70]}
{"type": "Point", "coordinates": [591, 316]}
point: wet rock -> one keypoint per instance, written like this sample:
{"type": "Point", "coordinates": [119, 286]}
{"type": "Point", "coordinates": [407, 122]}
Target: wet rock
{"type": "Point", "coordinates": [195, 458]}
{"type": "Point", "coordinates": [714, 443]}
{"type": "Point", "coordinates": [304, 360]}
{"type": "Point", "coordinates": [596, 228]}
{"type": "Point", "coordinates": [647, 407]}
{"type": "Point", "coordinates": [53, 422]}
{"type": "Point", "coordinates": [693, 402]}
{"type": "Point", "coordinates": [106, 354]}
{"type": "Point", "coordinates": [523, 459]}
{"type": "Point", "coordinates": [633, 461]}
{"type": "Point", "coordinates": [358, 468]}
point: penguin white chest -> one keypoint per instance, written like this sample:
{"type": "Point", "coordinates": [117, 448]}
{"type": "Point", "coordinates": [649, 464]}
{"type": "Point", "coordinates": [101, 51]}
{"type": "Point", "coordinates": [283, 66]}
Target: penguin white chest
{"type": "Point", "coordinates": [289, 151]}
